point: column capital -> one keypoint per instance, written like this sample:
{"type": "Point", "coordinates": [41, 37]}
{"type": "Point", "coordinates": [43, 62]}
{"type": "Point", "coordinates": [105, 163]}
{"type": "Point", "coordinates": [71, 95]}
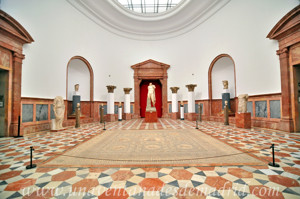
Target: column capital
{"type": "Point", "coordinates": [127, 90]}
{"type": "Point", "coordinates": [174, 89]}
{"type": "Point", "coordinates": [110, 88]}
{"type": "Point", "coordinates": [282, 51]}
{"type": "Point", "coordinates": [18, 57]}
{"type": "Point", "coordinates": [191, 87]}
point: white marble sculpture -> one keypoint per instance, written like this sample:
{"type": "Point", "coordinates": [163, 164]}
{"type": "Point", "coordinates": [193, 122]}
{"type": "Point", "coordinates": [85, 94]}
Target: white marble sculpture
{"type": "Point", "coordinates": [76, 91]}
{"type": "Point", "coordinates": [59, 112]}
{"type": "Point", "coordinates": [243, 98]}
{"type": "Point", "coordinates": [151, 98]}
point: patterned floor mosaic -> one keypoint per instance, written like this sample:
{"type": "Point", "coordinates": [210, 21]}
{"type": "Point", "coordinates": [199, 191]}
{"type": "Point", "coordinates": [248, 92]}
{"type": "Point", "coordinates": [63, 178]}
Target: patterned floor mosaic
{"type": "Point", "coordinates": [167, 182]}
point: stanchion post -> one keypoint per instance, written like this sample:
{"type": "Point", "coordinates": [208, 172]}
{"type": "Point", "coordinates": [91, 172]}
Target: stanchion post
{"type": "Point", "coordinates": [31, 165]}
{"type": "Point", "coordinates": [197, 124]}
{"type": "Point", "coordinates": [273, 164]}
{"type": "Point", "coordinates": [104, 126]}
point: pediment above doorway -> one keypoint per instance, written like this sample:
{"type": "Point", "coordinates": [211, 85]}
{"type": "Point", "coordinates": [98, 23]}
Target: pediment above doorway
{"type": "Point", "coordinates": [150, 69]}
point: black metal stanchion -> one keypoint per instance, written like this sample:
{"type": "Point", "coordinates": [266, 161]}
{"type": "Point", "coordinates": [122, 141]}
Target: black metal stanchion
{"type": "Point", "coordinates": [31, 165]}
{"type": "Point", "coordinates": [197, 124]}
{"type": "Point", "coordinates": [19, 127]}
{"type": "Point", "coordinates": [273, 164]}
{"type": "Point", "coordinates": [104, 126]}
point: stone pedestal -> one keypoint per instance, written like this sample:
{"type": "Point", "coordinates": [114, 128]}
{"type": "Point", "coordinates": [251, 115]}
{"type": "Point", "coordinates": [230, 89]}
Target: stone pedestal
{"type": "Point", "coordinates": [76, 99]}
{"type": "Point", "coordinates": [110, 103]}
{"type": "Point", "coordinates": [226, 97]}
{"type": "Point", "coordinates": [191, 102]}
{"type": "Point", "coordinates": [120, 113]}
{"type": "Point", "coordinates": [243, 120]}
{"type": "Point", "coordinates": [174, 114]}
{"type": "Point", "coordinates": [110, 117]}
{"type": "Point", "coordinates": [192, 116]}
{"type": "Point", "coordinates": [151, 117]}
{"type": "Point", "coordinates": [181, 112]}
{"type": "Point", "coordinates": [127, 116]}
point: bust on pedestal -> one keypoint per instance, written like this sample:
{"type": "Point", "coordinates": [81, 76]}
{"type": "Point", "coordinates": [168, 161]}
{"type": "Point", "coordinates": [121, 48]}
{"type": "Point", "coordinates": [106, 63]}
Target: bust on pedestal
{"type": "Point", "coordinates": [151, 114]}
{"type": "Point", "coordinates": [226, 97]}
{"type": "Point", "coordinates": [76, 99]}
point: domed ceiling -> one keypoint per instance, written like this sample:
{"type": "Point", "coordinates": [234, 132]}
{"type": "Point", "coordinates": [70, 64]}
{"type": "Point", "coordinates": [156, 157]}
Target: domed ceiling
{"type": "Point", "coordinates": [170, 19]}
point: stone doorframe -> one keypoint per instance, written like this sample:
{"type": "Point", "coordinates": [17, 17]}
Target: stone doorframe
{"type": "Point", "coordinates": [150, 70]}
{"type": "Point", "coordinates": [12, 38]}
{"type": "Point", "coordinates": [287, 33]}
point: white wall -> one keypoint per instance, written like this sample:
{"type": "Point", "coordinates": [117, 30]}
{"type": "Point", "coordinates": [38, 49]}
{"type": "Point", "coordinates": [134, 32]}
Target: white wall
{"type": "Point", "coordinates": [61, 32]}
{"type": "Point", "coordinates": [78, 73]}
{"type": "Point", "coordinates": [223, 69]}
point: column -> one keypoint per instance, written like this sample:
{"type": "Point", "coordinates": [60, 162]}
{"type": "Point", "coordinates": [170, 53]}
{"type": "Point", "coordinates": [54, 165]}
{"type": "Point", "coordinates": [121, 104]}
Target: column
{"type": "Point", "coordinates": [16, 94]}
{"type": "Point", "coordinates": [286, 122]}
{"type": "Point", "coordinates": [191, 102]}
{"type": "Point", "coordinates": [110, 103]}
{"type": "Point", "coordinates": [127, 114]}
{"type": "Point", "coordinates": [175, 113]}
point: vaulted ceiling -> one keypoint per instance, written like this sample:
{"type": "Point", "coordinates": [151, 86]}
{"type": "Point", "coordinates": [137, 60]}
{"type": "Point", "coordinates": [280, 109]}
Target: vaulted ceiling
{"type": "Point", "coordinates": [114, 17]}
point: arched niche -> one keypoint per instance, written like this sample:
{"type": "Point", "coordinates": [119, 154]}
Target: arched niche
{"type": "Point", "coordinates": [221, 68]}
{"type": "Point", "coordinates": [79, 71]}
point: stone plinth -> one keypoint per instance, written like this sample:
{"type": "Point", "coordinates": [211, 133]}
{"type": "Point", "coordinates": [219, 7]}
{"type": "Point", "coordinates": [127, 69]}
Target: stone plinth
{"type": "Point", "coordinates": [191, 116]}
{"type": "Point", "coordinates": [175, 116]}
{"type": "Point", "coordinates": [243, 120]}
{"type": "Point", "coordinates": [110, 117]}
{"type": "Point", "coordinates": [151, 117]}
{"type": "Point", "coordinates": [127, 116]}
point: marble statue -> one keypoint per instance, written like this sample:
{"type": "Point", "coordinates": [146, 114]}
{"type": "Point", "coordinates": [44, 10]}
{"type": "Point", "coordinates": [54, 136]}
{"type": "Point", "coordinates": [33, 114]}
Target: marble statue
{"type": "Point", "coordinates": [151, 98]}
{"type": "Point", "coordinates": [59, 112]}
{"type": "Point", "coordinates": [242, 107]}
{"type": "Point", "coordinates": [225, 84]}
{"type": "Point", "coordinates": [151, 93]}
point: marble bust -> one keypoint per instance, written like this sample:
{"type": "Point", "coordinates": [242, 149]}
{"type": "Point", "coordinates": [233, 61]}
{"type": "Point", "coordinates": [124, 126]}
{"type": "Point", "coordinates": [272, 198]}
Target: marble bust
{"type": "Point", "coordinates": [225, 84]}
{"type": "Point", "coordinates": [59, 112]}
{"type": "Point", "coordinates": [242, 107]}
{"type": "Point", "coordinates": [76, 92]}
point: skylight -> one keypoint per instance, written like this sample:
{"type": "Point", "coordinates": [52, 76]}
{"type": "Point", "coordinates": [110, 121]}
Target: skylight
{"type": "Point", "coordinates": [149, 6]}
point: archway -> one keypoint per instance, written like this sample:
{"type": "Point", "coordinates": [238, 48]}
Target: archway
{"type": "Point", "coordinates": [79, 71]}
{"type": "Point", "coordinates": [221, 68]}
{"type": "Point", "coordinates": [143, 96]}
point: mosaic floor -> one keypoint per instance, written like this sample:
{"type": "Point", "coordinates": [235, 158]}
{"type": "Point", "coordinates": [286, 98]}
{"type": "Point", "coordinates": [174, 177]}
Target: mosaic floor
{"type": "Point", "coordinates": [165, 182]}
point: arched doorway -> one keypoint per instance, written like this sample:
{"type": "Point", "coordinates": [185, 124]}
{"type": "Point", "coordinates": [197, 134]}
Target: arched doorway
{"type": "Point", "coordinates": [143, 96]}
{"type": "Point", "coordinates": [221, 68]}
{"type": "Point", "coordinates": [79, 71]}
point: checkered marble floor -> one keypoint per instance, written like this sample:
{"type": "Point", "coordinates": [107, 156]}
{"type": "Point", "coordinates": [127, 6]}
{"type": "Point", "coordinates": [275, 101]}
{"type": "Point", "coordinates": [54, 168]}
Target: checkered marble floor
{"type": "Point", "coordinates": [168, 182]}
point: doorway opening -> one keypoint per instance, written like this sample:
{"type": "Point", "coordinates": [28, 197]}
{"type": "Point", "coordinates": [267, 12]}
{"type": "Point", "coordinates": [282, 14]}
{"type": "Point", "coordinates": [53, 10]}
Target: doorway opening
{"type": "Point", "coordinates": [297, 97]}
{"type": "Point", "coordinates": [3, 102]}
{"type": "Point", "coordinates": [143, 96]}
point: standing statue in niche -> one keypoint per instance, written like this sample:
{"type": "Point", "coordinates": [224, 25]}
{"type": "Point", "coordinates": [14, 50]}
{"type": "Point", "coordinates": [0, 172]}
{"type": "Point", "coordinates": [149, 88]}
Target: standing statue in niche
{"type": "Point", "coordinates": [59, 112]}
{"type": "Point", "coordinates": [242, 107]}
{"type": "Point", "coordinates": [76, 98]}
{"type": "Point", "coordinates": [151, 98]}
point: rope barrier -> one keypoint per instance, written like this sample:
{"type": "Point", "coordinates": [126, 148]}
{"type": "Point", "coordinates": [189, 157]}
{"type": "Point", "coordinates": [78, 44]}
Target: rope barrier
{"type": "Point", "coordinates": [185, 159]}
